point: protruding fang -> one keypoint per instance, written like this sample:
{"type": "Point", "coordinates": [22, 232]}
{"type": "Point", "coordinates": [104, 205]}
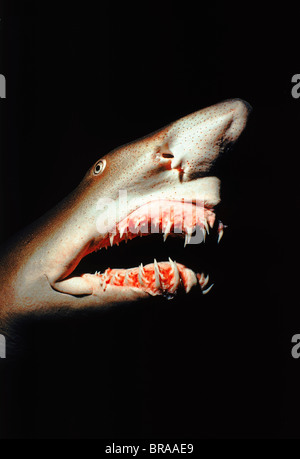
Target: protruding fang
{"type": "Point", "coordinates": [111, 239]}
{"type": "Point", "coordinates": [141, 272]}
{"type": "Point", "coordinates": [186, 239]}
{"type": "Point", "coordinates": [176, 273]}
{"type": "Point", "coordinates": [205, 281]}
{"type": "Point", "coordinates": [211, 220]}
{"type": "Point", "coordinates": [157, 275]}
{"type": "Point", "coordinates": [221, 232]}
{"type": "Point", "coordinates": [206, 226]}
{"type": "Point", "coordinates": [204, 292]}
{"type": "Point", "coordinates": [122, 230]}
{"type": "Point", "coordinates": [188, 236]}
{"type": "Point", "coordinates": [167, 230]}
{"type": "Point", "coordinates": [204, 234]}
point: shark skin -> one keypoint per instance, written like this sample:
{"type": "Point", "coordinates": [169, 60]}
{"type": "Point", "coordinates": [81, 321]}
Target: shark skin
{"type": "Point", "coordinates": [173, 168]}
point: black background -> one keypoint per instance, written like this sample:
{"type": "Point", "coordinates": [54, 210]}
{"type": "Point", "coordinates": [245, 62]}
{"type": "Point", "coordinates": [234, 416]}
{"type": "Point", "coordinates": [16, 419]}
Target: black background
{"type": "Point", "coordinates": [82, 80]}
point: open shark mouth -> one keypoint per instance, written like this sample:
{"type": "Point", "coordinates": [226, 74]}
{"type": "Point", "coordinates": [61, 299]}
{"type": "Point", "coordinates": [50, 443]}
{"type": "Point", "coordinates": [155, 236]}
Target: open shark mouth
{"type": "Point", "coordinates": [193, 222]}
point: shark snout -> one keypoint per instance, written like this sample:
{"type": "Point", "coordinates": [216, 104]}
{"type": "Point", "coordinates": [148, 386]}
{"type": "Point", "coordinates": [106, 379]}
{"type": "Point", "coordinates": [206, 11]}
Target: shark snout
{"type": "Point", "coordinates": [195, 142]}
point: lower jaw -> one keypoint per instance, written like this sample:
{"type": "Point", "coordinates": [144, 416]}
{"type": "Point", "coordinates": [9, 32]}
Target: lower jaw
{"type": "Point", "coordinates": [158, 278]}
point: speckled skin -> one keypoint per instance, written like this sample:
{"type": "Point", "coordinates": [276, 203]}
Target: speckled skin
{"type": "Point", "coordinates": [172, 163]}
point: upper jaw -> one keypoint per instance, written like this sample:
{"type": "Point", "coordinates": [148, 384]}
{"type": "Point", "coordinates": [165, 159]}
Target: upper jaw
{"type": "Point", "coordinates": [131, 211]}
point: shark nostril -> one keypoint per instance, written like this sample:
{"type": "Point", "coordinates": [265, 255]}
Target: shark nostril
{"type": "Point", "coordinates": [167, 155]}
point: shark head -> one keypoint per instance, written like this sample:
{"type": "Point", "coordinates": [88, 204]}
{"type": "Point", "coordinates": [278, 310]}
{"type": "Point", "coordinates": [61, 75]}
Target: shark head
{"type": "Point", "coordinates": [163, 183]}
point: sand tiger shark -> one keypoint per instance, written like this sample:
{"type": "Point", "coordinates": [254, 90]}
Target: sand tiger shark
{"type": "Point", "coordinates": [169, 170]}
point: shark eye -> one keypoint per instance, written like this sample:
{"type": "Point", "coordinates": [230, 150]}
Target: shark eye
{"type": "Point", "coordinates": [99, 167]}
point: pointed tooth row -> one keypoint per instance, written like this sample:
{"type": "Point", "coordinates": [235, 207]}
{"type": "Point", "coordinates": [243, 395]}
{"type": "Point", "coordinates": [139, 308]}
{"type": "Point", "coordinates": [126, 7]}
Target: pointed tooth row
{"type": "Point", "coordinates": [205, 224]}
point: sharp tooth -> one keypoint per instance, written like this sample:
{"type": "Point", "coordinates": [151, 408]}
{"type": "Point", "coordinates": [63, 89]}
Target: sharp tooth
{"type": "Point", "coordinates": [205, 280]}
{"type": "Point", "coordinates": [204, 234]}
{"type": "Point", "coordinates": [206, 226]}
{"type": "Point", "coordinates": [186, 237]}
{"type": "Point", "coordinates": [176, 273]}
{"type": "Point", "coordinates": [167, 230]}
{"type": "Point", "coordinates": [157, 275]}
{"type": "Point", "coordinates": [221, 232]}
{"type": "Point", "coordinates": [207, 290]}
{"type": "Point", "coordinates": [141, 272]}
{"type": "Point", "coordinates": [111, 239]}
{"type": "Point", "coordinates": [122, 230]}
